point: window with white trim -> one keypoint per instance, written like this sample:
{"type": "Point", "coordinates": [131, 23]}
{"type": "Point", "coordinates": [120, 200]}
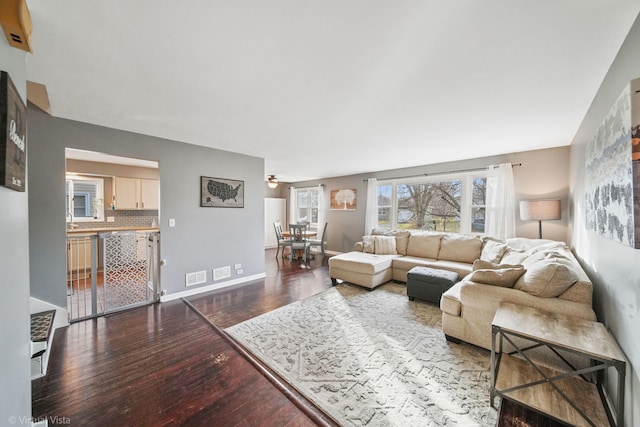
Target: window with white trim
{"type": "Point", "coordinates": [84, 198]}
{"type": "Point", "coordinates": [453, 203]}
{"type": "Point", "coordinates": [306, 209]}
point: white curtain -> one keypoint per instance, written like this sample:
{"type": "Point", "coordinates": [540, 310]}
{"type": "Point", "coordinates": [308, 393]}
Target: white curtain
{"type": "Point", "coordinates": [371, 214]}
{"type": "Point", "coordinates": [293, 218]}
{"type": "Point", "coordinates": [322, 210]}
{"type": "Point", "coordinates": [500, 214]}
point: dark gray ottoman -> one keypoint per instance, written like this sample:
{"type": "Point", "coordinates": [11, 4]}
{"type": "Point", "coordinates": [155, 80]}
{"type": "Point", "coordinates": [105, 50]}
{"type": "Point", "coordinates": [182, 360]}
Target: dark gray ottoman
{"type": "Point", "coordinates": [429, 283]}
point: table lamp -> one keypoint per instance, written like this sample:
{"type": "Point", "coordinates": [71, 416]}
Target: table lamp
{"type": "Point", "coordinates": [539, 210]}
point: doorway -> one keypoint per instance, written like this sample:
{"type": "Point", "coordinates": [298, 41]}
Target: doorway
{"type": "Point", "coordinates": [112, 227]}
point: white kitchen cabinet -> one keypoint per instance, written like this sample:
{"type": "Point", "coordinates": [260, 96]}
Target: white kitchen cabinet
{"type": "Point", "coordinates": [136, 193]}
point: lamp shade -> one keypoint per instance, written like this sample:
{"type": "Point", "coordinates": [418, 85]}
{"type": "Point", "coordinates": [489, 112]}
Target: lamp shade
{"type": "Point", "coordinates": [539, 210]}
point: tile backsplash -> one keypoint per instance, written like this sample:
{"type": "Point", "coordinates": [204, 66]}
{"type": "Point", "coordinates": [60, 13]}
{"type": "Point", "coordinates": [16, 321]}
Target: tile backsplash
{"type": "Point", "coordinates": [124, 218]}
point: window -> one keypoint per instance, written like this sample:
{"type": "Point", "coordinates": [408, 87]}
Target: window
{"type": "Point", "coordinates": [453, 203]}
{"type": "Point", "coordinates": [307, 206]}
{"type": "Point", "coordinates": [84, 198]}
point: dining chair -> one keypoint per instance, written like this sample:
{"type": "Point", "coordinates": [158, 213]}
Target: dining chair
{"type": "Point", "coordinates": [321, 241]}
{"type": "Point", "coordinates": [281, 240]}
{"type": "Point", "coordinates": [299, 240]}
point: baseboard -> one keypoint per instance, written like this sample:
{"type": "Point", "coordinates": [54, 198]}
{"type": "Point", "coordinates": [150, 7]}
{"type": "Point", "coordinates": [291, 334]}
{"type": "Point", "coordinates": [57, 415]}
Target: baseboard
{"type": "Point", "coordinates": [212, 287]}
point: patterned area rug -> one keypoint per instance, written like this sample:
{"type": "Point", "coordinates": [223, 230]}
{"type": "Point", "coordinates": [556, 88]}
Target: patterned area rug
{"type": "Point", "coordinates": [373, 358]}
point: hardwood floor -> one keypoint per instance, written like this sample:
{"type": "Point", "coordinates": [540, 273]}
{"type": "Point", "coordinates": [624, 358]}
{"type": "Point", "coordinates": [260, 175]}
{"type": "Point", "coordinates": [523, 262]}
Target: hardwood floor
{"type": "Point", "coordinates": [165, 364]}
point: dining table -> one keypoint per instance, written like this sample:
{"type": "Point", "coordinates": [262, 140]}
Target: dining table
{"type": "Point", "coordinates": [308, 234]}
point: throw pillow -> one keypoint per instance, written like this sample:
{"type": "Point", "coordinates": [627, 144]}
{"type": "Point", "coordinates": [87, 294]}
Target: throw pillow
{"type": "Point", "coordinates": [513, 256]}
{"type": "Point", "coordinates": [503, 277]}
{"type": "Point", "coordinates": [368, 245]}
{"type": "Point", "coordinates": [488, 265]}
{"type": "Point", "coordinates": [547, 279]}
{"type": "Point", "coordinates": [492, 250]}
{"type": "Point", "coordinates": [385, 245]}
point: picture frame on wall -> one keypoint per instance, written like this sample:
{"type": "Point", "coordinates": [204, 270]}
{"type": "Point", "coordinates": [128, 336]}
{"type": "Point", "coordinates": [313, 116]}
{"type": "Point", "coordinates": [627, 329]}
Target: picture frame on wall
{"type": "Point", "coordinates": [343, 200]}
{"type": "Point", "coordinates": [221, 192]}
{"type": "Point", "coordinates": [13, 136]}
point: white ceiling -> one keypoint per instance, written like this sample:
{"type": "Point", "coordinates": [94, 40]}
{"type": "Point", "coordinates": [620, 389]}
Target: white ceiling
{"type": "Point", "coordinates": [332, 87]}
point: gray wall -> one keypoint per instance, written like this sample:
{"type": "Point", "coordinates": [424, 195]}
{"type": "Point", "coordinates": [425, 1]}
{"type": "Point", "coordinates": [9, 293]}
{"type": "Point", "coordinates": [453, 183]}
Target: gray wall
{"type": "Point", "coordinates": [203, 239]}
{"type": "Point", "coordinates": [15, 365]}
{"type": "Point", "coordinates": [543, 174]}
{"type": "Point", "coordinates": [613, 267]}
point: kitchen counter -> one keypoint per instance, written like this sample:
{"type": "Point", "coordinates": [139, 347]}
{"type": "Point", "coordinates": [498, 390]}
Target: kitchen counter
{"type": "Point", "coordinates": [98, 230]}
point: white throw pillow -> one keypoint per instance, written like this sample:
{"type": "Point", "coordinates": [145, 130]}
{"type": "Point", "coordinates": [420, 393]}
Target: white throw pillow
{"type": "Point", "coordinates": [492, 250]}
{"type": "Point", "coordinates": [513, 256]}
{"type": "Point", "coordinates": [385, 245]}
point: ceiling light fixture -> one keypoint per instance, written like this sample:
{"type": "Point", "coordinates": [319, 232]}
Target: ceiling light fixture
{"type": "Point", "coordinates": [272, 181]}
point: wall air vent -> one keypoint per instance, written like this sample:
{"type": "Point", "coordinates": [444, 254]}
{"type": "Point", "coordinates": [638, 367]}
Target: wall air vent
{"type": "Point", "coordinates": [196, 278]}
{"type": "Point", "coordinates": [221, 273]}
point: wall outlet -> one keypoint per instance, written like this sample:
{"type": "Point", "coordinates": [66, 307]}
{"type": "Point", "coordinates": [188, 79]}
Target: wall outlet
{"type": "Point", "coordinates": [238, 266]}
{"type": "Point", "coordinates": [111, 219]}
{"type": "Point", "coordinates": [239, 271]}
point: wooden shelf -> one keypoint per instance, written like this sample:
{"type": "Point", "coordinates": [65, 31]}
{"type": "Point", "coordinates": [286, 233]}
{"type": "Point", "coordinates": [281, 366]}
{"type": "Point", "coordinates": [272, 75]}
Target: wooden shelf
{"type": "Point", "coordinates": [544, 398]}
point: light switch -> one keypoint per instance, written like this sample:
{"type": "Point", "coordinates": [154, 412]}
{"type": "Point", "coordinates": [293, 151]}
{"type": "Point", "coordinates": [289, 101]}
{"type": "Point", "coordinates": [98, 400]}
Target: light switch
{"type": "Point", "coordinates": [172, 222]}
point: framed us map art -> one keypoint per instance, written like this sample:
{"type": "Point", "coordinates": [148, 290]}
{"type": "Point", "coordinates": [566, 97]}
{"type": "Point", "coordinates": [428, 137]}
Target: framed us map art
{"type": "Point", "coordinates": [221, 193]}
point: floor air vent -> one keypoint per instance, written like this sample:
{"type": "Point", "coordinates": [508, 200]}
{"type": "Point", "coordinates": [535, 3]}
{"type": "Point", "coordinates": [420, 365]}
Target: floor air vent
{"type": "Point", "coordinates": [221, 273]}
{"type": "Point", "coordinates": [196, 278]}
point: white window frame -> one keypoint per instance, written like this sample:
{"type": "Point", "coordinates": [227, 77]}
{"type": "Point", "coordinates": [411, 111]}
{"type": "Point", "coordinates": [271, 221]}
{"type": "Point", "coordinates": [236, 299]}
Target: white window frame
{"type": "Point", "coordinates": [466, 205]}
{"type": "Point", "coordinates": [296, 210]}
{"type": "Point", "coordinates": [99, 208]}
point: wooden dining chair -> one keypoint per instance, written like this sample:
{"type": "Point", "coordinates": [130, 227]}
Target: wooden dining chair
{"type": "Point", "coordinates": [282, 242]}
{"type": "Point", "coordinates": [321, 241]}
{"type": "Point", "coordinates": [299, 240]}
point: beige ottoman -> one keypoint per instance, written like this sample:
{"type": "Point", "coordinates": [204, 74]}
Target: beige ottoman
{"type": "Point", "coordinates": [359, 268]}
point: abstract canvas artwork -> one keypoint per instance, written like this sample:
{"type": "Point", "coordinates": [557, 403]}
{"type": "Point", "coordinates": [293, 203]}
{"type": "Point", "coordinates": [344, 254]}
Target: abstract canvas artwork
{"type": "Point", "coordinates": [609, 181]}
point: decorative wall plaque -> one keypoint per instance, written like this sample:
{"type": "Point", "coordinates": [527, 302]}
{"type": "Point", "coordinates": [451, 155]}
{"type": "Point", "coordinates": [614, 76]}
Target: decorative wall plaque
{"type": "Point", "coordinates": [13, 136]}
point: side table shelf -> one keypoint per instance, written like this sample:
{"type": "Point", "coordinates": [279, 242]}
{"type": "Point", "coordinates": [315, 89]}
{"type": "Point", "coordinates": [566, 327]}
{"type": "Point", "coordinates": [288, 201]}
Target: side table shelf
{"type": "Point", "coordinates": [569, 395]}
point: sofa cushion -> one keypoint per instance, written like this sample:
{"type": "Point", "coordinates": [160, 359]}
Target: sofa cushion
{"type": "Point", "coordinates": [360, 262]}
{"type": "Point", "coordinates": [492, 250]}
{"type": "Point", "coordinates": [424, 245]}
{"type": "Point", "coordinates": [384, 245]}
{"type": "Point", "coordinates": [450, 300]}
{"type": "Point", "coordinates": [504, 277]}
{"type": "Point", "coordinates": [547, 279]}
{"type": "Point", "coordinates": [459, 247]}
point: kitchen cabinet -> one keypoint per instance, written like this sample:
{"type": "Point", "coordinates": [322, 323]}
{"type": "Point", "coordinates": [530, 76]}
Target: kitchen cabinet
{"type": "Point", "coordinates": [136, 193]}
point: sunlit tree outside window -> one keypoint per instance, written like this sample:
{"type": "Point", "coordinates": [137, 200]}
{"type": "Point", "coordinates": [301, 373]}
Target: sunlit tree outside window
{"type": "Point", "coordinates": [451, 204]}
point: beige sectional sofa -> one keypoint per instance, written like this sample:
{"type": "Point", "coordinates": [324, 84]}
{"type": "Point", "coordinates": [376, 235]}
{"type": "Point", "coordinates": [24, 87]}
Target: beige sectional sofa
{"type": "Point", "coordinates": [533, 272]}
